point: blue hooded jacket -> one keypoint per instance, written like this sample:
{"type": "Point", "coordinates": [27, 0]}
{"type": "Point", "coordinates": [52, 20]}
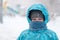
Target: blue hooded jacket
{"type": "Point", "coordinates": [41, 34]}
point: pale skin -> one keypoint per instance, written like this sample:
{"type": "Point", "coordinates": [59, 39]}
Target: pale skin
{"type": "Point", "coordinates": [37, 19]}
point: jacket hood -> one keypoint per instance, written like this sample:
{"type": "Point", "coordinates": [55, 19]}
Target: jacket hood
{"type": "Point", "coordinates": [41, 8]}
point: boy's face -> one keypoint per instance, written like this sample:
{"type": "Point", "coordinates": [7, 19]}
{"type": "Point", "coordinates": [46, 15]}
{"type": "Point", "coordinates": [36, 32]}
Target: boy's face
{"type": "Point", "coordinates": [36, 15]}
{"type": "Point", "coordinates": [37, 19]}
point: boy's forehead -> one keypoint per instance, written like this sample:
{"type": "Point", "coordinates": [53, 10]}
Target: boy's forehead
{"type": "Point", "coordinates": [36, 13]}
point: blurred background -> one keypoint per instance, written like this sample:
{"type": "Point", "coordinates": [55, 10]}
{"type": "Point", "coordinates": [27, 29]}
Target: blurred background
{"type": "Point", "coordinates": [13, 17]}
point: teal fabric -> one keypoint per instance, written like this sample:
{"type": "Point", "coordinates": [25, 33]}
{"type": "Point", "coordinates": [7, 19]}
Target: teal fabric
{"type": "Point", "coordinates": [38, 34]}
{"type": "Point", "coordinates": [38, 7]}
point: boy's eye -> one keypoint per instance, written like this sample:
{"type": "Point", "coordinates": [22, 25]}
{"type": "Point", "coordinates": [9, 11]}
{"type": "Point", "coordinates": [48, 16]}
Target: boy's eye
{"type": "Point", "coordinates": [40, 19]}
{"type": "Point", "coordinates": [37, 19]}
{"type": "Point", "coordinates": [33, 19]}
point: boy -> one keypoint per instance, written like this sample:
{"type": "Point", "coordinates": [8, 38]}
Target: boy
{"type": "Point", "coordinates": [37, 17]}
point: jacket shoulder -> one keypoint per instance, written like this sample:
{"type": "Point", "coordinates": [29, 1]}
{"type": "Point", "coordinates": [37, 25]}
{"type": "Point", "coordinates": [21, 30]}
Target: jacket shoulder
{"type": "Point", "coordinates": [23, 35]}
{"type": "Point", "coordinates": [51, 33]}
{"type": "Point", "coordinates": [25, 31]}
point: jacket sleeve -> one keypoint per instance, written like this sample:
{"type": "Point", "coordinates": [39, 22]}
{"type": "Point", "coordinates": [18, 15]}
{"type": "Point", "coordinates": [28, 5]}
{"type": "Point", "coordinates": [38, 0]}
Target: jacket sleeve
{"type": "Point", "coordinates": [52, 35]}
{"type": "Point", "coordinates": [55, 37]}
{"type": "Point", "coordinates": [21, 37]}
